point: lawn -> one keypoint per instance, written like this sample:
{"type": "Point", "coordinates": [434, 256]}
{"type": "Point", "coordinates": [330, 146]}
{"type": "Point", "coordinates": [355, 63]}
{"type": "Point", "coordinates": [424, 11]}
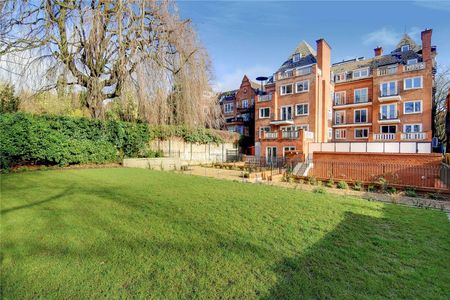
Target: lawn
{"type": "Point", "coordinates": [122, 233]}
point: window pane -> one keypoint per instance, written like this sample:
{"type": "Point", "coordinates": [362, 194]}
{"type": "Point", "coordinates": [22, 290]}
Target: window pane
{"type": "Point", "coordinates": [417, 82]}
{"type": "Point", "coordinates": [417, 106]}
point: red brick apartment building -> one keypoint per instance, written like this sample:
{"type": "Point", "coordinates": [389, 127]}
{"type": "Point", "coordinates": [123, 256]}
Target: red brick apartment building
{"type": "Point", "coordinates": [447, 126]}
{"type": "Point", "coordinates": [296, 103]}
{"type": "Point", "coordinates": [387, 97]}
{"type": "Point", "coordinates": [238, 109]}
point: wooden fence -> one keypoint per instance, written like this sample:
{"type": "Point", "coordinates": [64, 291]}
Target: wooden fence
{"type": "Point", "coordinates": [433, 176]}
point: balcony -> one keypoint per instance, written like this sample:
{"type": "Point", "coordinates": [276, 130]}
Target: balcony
{"type": "Point", "coordinates": [388, 118]}
{"type": "Point", "coordinates": [282, 122]}
{"type": "Point", "coordinates": [414, 67]}
{"type": "Point", "coordinates": [290, 135]}
{"type": "Point", "coordinates": [270, 135]}
{"type": "Point", "coordinates": [342, 103]}
{"type": "Point", "coordinates": [391, 70]}
{"type": "Point", "coordinates": [286, 74]}
{"type": "Point", "coordinates": [414, 136]}
{"type": "Point", "coordinates": [265, 98]}
{"type": "Point", "coordinates": [303, 71]}
{"type": "Point", "coordinates": [389, 96]}
{"type": "Point", "coordinates": [384, 136]}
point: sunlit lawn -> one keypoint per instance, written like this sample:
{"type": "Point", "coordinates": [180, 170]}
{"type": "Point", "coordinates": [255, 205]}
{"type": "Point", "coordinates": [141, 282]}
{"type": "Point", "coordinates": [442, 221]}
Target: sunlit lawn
{"type": "Point", "coordinates": [122, 233]}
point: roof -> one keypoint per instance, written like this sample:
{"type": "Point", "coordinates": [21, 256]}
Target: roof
{"type": "Point", "coordinates": [308, 57]}
{"type": "Point", "coordinates": [406, 40]}
{"type": "Point", "coordinates": [395, 57]}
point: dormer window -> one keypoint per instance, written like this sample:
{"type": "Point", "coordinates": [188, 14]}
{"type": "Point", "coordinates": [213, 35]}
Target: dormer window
{"type": "Point", "coordinates": [411, 61]}
{"type": "Point", "coordinates": [361, 73]}
{"type": "Point", "coordinates": [405, 48]}
{"type": "Point", "coordinates": [296, 57]}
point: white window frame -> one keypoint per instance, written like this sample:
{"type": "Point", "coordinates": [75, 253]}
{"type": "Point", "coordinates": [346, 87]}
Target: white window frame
{"type": "Point", "coordinates": [344, 95]}
{"type": "Point", "coordinates": [381, 130]}
{"type": "Point", "coordinates": [388, 82]}
{"type": "Point", "coordinates": [330, 133]}
{"type": "Point", "coordinates": [412, 83]}
{"type": "Point", "coordinates": [367, 115]}
{"type": "Point", "coordinates": [412, 61]}
{"type": "Point", "coordinates": [262, 129]}
{"type": "Point", "coordinates": [261, 109]}
{"type": "Point", "coordinates": [302, 104]}
{"type": "Point", "coordinates": [341, 137]}
{"type": "Point", "coordinates": [412, 126]}
{"type": "Point", "coordinates": [296, 57]}
{"type": "Point", "coordinates": [228, 107]}
{"type": "Point", "coordinates": [414, 107]}
{"type": "Point", "coordinates": [336, 114]}
{"type": "Point", "coordinates": [338, 75]}
{"type": "Point", "coordinates": [302, 82]}
{"type": "Point", "coordinates": [361, 89]}
{"type": "Point", "coordinates": [389, 105]}
{"type": "Point", "coordinates": [290, 148]}
{"type": "Point", "coordinates": [407, 46]}
{"type": "Point", "coordinates": [246, 103]}
{"type": "Point", "coordinates": [287, 106]}
{"type": "Point", "coordinates": [364, 137]}
{"type": "Point", "coordinates": [305, 127]}
{"type": "Point", "coordinates": [285, 85]}
{"type": "Point", "coordinates": [359, 71]}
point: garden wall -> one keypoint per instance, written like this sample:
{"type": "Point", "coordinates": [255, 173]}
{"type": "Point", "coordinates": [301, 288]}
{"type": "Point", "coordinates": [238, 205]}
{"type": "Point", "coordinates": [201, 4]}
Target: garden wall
{"type": "Point", "coordinates": [201, 153]}
{"type": "Point", "coordinates": [421, 170]}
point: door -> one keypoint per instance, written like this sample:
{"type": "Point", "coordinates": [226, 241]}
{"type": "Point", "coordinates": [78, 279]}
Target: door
{"type": "Point", "coordinates": [286, 113]}
{"type": "Point", "coordinates": [271, 153]}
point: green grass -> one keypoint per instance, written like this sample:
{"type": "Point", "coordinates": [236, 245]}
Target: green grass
{"type": "Point", "coordinates": [122, 233]}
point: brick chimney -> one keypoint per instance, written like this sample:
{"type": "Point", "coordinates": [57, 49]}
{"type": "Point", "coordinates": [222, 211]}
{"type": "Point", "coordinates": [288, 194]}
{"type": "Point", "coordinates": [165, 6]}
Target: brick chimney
{"type": "Point", "coordinates": [378, 51]}
{"type": "Point", "coordinates": [323, 85]}
{"type": "Point", "coordinates": [426, 44]}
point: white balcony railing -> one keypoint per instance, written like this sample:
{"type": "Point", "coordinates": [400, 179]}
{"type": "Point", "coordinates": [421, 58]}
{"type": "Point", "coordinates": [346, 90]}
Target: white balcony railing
{"type": "Point", "coordinates": [387, 71]}
{"type": "Point", "coordinates": [340, 101]}
{"type": "Point", "coordinates": [308, 135]}
{"type": "Point", "coordinates": [271, 135]}
{"type": "Point", "coordinates": [414, 67]}
{"type": "Point", "coordinates": [263, 98]}
{"type": "Point", "coordinates": [384, 136]}
{"type": "Point", "coordinates": [289, 135]}
{"type": "Point", "coordinates": [286, 74]}
{"type": "Point", "coordinates": [414, 136]}
{"type": "Point", "coordinates": [303, 71]}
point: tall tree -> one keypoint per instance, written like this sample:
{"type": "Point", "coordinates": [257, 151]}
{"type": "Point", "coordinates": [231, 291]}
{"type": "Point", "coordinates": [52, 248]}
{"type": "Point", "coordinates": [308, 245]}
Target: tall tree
{"type": "Point", "coordinates": [105, 46]}
{"type": "Point", "coordinates": [441, 86]}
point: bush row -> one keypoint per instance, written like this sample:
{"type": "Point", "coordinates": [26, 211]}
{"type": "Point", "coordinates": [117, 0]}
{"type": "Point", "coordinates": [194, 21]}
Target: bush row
{"type": "Point", "coordinates": [62, 140]}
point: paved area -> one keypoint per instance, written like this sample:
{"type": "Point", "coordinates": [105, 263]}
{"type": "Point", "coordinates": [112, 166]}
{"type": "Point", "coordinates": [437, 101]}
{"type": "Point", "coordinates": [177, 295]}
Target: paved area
{"type": "Point", "coordinates": [398, 199]}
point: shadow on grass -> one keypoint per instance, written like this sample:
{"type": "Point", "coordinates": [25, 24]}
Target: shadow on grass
{"type": "Point", "coordinates": [65, 192]}
{"type": "Point", "coordinates": [368, 257]}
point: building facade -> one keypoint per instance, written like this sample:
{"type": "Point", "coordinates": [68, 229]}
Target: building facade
{"type": "Point", "coordinates": [296, 103]}
{"type": "Point", "coordinates": [386, 98]}
{"type": "Point", "coordinates": [238, 109]}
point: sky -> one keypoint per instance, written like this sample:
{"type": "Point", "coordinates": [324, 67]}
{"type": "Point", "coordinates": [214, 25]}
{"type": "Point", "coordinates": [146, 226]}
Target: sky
{"type": "Point", "coordinates": [256, 37]}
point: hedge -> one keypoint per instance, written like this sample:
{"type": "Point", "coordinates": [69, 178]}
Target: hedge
{"type": "Point", "coordinates": [61, 140]}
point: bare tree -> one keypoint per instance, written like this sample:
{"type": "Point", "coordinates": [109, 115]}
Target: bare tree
{"type": "Point", "coordinates": [441, 86]}
{"type": "Point", "coordinates": [105, 47]}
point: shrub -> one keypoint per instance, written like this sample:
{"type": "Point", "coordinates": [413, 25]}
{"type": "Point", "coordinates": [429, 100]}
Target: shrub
{"type": "Point", "coordinates": [391, 190]}
{"type": "Point", "coordinates": [312, 180]}
{"type": "Point", "coordinates": [61, 140]}
{"type": "Point", "coordinates": [410, 193]}
{"type": "Point", "coordinates": [330, 183]}
{"type": "Point", "coordinates": [319, 190]}
{"type": "Point", "coordinates": [342, 185]}
{"type": "Point", "coordinates": [371, 188]}
{"type": "Point", "coordinates": [357, 186]}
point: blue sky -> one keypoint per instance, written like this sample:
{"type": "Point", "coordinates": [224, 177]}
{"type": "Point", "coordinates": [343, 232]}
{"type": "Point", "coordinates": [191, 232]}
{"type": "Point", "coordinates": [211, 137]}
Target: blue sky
{"type": "Point", "coordinates": [255, 37]}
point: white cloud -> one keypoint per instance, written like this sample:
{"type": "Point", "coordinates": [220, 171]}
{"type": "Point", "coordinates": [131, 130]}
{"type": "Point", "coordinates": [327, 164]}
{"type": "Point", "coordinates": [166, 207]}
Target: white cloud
{"type": "Point", "coordinates": [232, 80]}
{"type": "Point", "coordinates": [388, 37]}
{"type": "Point", "coordinates": [437, 5]}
